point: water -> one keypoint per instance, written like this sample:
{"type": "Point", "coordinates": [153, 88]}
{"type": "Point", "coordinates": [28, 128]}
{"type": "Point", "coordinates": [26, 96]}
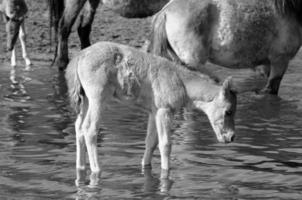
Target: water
{"type": "Point", "coordinates": [37, 147]}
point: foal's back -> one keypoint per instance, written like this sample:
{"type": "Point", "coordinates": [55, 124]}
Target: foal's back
{"type": "Point", "coordinates": [103, 67]}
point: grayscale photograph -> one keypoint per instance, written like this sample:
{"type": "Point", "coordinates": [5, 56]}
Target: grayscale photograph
{"type": "Point", "coordinates": [150, 100]}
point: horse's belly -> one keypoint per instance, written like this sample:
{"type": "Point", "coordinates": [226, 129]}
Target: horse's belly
{"type": "Point", "coordinates": [242, 34]}
{"type": "Point", "coordinates": [232, 58]}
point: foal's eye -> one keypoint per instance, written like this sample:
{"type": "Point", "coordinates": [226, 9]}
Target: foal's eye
{"type": "Point", "coordinates": [228, 113]}
{"type": "Point", "coordinates": [7, 18]}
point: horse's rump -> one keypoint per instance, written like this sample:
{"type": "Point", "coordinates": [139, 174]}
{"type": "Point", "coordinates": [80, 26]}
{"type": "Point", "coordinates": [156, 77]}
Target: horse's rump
{"type": "Point", "coordinates": [75, 90]}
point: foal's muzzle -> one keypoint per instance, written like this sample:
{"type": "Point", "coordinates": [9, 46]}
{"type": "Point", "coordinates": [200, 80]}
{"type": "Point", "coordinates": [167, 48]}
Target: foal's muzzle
{"type": "Point", "coordinates": [227, 137]}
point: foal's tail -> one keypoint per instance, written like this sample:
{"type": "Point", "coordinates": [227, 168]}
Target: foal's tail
{"type": "Point", "coordinates": [75, 89]}
{"type": "Point", "coordinates": [159, 44]}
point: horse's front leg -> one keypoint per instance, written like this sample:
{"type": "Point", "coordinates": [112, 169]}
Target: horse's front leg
{"type": "Point", "coordinates": [163, 125]}
{"type": "Point", "coordinates": [72, 9]}
{"type": "Point", "coordinates": [150, 142]}
{"type": "Point", "coordinates": [22, 37]}
{"type": "Point", "coordinates": [86, 18]}
{"type": "Point", "coordinates": [277, 70]}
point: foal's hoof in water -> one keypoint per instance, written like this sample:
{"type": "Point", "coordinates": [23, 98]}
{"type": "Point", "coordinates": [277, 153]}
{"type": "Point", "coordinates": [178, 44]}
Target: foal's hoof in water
{"type": "Point", "coordinates": [28, 68]}
{"type": "Point", "coordinates": [28, 63]}
{"type": "Point", "coordinates": [165, 173]}
{"type": "Point", "coordinates": [80, 183]}
{"type": "Point", "coordinates": [95, 180]}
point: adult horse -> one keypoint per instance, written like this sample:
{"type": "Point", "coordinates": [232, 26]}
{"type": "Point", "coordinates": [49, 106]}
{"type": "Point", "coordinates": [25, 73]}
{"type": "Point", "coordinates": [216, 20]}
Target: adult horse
{"type": "Point", "coordinates": [65, 13]}
{"type": "Point", "coordinates": [14, 13]}
{"type": "Point", "coordinates": [230, 33]}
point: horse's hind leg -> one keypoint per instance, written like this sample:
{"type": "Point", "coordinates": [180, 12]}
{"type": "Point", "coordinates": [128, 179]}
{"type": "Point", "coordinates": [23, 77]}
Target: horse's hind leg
{"type": "Point", "coordinates": [70, 14]}
{"type": "Point", "coordinates": [151, 141]}
{"type": "Point", "coordinates": [22, 37]}
{"type": "Point", "coordinates": [163, 125]}
{"type": "Point", "coordinates": [13, 67]}
{"type": "Point", "coordinates": [87, 17]}
{"type": "Point", "coordinates": [277, 70]}
{"type": "Point", "coordinates": [91, 126]}
{"type": "Point", "coordinates": [81, 149]}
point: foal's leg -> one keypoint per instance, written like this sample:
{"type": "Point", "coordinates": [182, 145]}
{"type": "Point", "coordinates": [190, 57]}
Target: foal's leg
{"type": "Point", "coordinates": [81, 149]}
{"type": "Point", "coordinates": [70, 14]}
{"type": "Point", "coordinates": [87, 17]}
{"type": "Point", "coordinates": [277, 71]}
{"type": "Point", "coordinates": [22, 37]}
{"type": "Point", "coordinates": [163, 125]}
{"type": "Point", "coordinates": [151, 141]}
{"type": "Point", "coordinates": [91, 125]}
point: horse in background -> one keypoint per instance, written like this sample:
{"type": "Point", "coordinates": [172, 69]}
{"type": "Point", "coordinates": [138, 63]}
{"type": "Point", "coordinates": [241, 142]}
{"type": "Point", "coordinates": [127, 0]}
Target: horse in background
{"type": "Point", "coordinates": [230, 33]}
{"type": "Point", "coordinates": [64, 13]}
{"type": "Point", "coordinates": [14, 13]}
{"type": "Point", "coordinates": [108, 71]}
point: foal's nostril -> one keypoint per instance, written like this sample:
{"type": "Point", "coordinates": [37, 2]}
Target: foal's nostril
{"type": "Point", "coordinates": [232, 138]}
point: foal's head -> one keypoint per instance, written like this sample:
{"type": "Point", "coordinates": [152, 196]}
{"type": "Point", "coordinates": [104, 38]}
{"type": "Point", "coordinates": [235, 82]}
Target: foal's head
{"type": "Point", "coordinates": [221, 112]}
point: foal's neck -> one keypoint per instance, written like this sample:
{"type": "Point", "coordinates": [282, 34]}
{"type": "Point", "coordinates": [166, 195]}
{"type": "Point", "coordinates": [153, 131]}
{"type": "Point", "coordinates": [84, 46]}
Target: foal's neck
{"type": "Point", "coordinates": [199, 86]}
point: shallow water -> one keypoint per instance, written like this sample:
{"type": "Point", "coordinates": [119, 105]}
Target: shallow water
{"type": "Point", "coordinates": [37, 146]}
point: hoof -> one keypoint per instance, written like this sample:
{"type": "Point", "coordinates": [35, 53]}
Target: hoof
{"type": "Point", "coordinates": [28, 68]}
{"type": "Point", "coordinates": [268, 91]}
{"type": "Point", "coordinates": [61, 64]}
{"type": "Point", "coordinates": [165, 173]}
{"type": "Point", "coordinates": [79, 183]}
{"type": "Point", "coordinates": [95, 180]}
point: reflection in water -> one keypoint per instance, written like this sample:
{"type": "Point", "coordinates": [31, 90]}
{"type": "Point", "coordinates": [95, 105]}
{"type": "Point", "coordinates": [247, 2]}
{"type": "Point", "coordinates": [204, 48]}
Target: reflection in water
{"type": "Point", "coordinates": [37, 148]}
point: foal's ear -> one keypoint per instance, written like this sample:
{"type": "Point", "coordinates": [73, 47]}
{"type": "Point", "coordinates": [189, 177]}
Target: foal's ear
{"type": "Point", "coordinates": [227, 85]}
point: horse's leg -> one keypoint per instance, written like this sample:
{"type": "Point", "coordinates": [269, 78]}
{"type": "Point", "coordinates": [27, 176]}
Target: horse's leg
{"type": "Point", "coordinates": [277, 70]}
{"type": "Point", "coordinates": [13, 66]}
{"type": "Point", "coordinates": [22, 37]}
{"type": "Point", "coordinates": [72, 9]}
{"type": "Point", "coordinates": [91, 124]}
{"type": "Point", "coordinates": [151, 141]}
{"type": "Point", "coordinates": [163, 124]}
{"type": "Point", "coordinates": [81, 149]}
{"type": "Point", "coordinates": [87, 17]}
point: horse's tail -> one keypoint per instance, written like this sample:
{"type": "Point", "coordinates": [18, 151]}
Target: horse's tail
{"type": "Point", "coordinates": [75, 89]}
{"type": "Point", "coordinates": [56, 8]}
{"type": "Point", "coordinates": [159, 44]}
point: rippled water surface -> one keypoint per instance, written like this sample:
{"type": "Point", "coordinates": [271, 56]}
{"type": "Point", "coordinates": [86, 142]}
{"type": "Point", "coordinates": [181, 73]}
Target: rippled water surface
{"type": "Point", "coordinates": [37, 140]}
{"type": "Point", "coordinates": [37, 146]}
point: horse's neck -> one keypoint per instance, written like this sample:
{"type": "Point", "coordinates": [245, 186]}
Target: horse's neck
{"type": "Point", "coordinates": [199, 87]}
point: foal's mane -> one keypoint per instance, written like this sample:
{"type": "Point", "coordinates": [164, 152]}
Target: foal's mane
{"type": "Point", "coordinates": [290, 8]}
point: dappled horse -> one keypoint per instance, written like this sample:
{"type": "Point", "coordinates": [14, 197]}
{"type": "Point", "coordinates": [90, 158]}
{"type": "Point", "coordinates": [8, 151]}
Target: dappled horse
{"type": "Point", "coordinates": [108, 71]}
{"type": "Point", "coordinates": [14, 13]}
{"type": "Point", "coordinates": [64, 14]}
{"type": "Point", "coordinates": [230, 33]}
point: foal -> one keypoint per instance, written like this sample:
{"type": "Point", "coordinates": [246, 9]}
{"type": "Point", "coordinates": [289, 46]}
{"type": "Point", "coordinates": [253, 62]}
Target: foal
{"type": "Point", "coordinates": [106, 71]}
{"type": "Point", "coordinates": [14, 12]}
